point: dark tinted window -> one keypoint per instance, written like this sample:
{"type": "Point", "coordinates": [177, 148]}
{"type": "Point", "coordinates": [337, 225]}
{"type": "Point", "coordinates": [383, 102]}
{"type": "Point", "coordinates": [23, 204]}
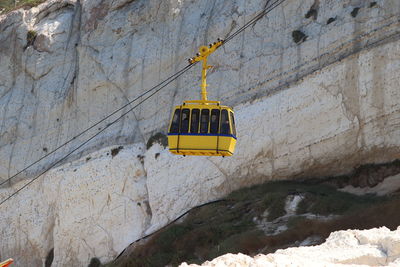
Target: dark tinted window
{"type": "Point", "coordinates": [185, 120]}
{"type": "Point", "coordinates": [175, 122]}
{"type": "Point", "coordinates": [214, 121]}
{"type": "Point", "coordinates": [233, 123]}
{"type": "Point", "coordinates": [225, 122]}
{"type": "Point", "coordinates": [205, 116]}
{"type": "Point", "coordinates": [194, 125]}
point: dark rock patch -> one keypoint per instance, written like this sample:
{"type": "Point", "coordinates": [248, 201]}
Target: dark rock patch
{"type": "Point", "coordinates": [157, 138]}
{"type": "Point", "coordinates": [116, 150]}
{"type": "Point", "coordinates": [49, 258]}
{"type": "Point", "coordinates": [141, 158]}
{"type": "Point", "coordinates": [354, 13]}
{"type": "Point", "coordinates": [94, 262]}
{"type": "Point", "coordinates": [298, 36]}
{"type": "Point", "coordinates": [313, 11]}
{"type": "Point", "coordinates": [330, 20]}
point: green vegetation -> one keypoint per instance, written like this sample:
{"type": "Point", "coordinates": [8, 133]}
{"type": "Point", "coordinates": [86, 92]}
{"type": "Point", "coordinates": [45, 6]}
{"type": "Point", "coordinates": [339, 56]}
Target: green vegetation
{"type": "Point", "coordinates": [9, 5]}
{"type": "Point", "coordinates": [30, 39]}
{"type": "Point", "coordinates": [319, 198]}
{"type": "Point", "coordinates": [335, 203]}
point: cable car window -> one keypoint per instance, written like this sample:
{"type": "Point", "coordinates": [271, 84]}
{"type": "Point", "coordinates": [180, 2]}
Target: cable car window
{"type": "Point", "coordinates": [214, 122]}
{"type": "Point", "coordinates": [233, 123]}
{"type": "Point", "coordinates": [194, 124]}
{"type": "Point", "coordinates": [225, 122]}
{"type": "Point", "coordinates": [205, 117]}
{"type": "Point", "coordinates": [185, 120]}
{"type": "Point", "coordinates": [175, 122]}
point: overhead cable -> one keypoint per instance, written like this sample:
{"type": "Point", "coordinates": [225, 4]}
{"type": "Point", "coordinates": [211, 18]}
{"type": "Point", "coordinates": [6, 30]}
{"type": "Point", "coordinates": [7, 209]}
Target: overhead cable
{"type": "Point", "coordinates": [163, 84]}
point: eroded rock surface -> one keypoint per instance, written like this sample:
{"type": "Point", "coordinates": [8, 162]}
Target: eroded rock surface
{"type": "Point", "coordinates": [89, 57]}
{"type": "Point", "coordinates": [91, 207]}
{"type": "Point", "coordinates": [319, 107]}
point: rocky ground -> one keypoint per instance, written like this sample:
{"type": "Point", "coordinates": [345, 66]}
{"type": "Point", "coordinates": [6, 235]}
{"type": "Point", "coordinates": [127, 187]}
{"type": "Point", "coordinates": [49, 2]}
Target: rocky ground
{"type": "Point", "coordinates": [375, 247]}
{"type": "Point", "coordinates": [282, 214]}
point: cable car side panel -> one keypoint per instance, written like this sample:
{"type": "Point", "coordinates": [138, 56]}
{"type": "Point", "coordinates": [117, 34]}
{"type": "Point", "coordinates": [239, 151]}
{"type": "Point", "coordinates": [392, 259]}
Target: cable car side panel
{"type": "Point", "coordinates": [203, 130]}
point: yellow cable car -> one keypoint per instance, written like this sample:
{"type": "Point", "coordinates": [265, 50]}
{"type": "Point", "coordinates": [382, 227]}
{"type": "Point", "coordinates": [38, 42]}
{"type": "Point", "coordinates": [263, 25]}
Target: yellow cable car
{"type": "Point", "coordinates": [202, 127]}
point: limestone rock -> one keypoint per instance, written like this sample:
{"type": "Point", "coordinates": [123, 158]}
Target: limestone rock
{"type": "Point", "coordinates": [93, 207]}
{"type": "Point", "coordinates": [90, 57]}
{"type": "Point", "coordinates": [317, 108]}
{"type": "Point", "coordinates": [375, 247]}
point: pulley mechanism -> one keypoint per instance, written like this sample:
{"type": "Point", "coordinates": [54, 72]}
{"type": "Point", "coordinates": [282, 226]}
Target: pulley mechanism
{"type": "Point", "coordinates": [202, 55]}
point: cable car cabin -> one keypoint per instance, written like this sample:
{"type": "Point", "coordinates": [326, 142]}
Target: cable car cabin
{"type": "Point", "coordinates": [202, 128]}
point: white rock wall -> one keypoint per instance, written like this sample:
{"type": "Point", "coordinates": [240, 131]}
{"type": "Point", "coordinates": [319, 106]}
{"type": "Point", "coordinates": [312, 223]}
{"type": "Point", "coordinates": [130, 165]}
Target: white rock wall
{"type": "Point", "coordinates": [98, 205]}
{"type": "Point", "coordinates": [91, 207]}
{"type": "Point", "coordinates": [289, 125]}
{"type": "Point", "coordinates": [319, 127]}
{"type": "Point", "coordinates": [90, 57]}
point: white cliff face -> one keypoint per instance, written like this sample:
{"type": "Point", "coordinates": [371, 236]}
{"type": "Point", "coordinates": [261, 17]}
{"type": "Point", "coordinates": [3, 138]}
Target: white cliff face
{"type": "Point", "coordinates": [375, 247]}
{"type": "Point", "coordinates": [98, 205]}
{"type": "Point", "coordinates": [300, 111]}
{"type": "Point", "coordinates": [306, 130]}
{"type": "Point", "coordinates": [91, 207]}
{"type": "Point", "coordinates": [90, 57]}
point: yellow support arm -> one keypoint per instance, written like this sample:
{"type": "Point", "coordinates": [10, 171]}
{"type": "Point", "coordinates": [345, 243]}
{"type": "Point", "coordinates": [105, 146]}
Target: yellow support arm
{"type": "Point", "coordinates": [204, 52]}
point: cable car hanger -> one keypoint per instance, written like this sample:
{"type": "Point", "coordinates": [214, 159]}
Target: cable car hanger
{"type": "Point", "coordinates": [202, 127]}
{"type": "Point", "coordinates": [204, 52]}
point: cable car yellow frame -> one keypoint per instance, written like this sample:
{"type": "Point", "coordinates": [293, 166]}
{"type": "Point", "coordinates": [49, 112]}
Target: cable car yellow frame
{"type": "Point", "coordinates": [202, 127]}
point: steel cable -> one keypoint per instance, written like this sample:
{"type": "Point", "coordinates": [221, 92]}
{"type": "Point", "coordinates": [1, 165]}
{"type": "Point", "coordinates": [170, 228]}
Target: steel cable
{"type": "Point", "coordinates": [266, 10]}
{"type": "Point", "coordinates": [92, 137]}
{"type": "Point", "coordinates": [97, 123]}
